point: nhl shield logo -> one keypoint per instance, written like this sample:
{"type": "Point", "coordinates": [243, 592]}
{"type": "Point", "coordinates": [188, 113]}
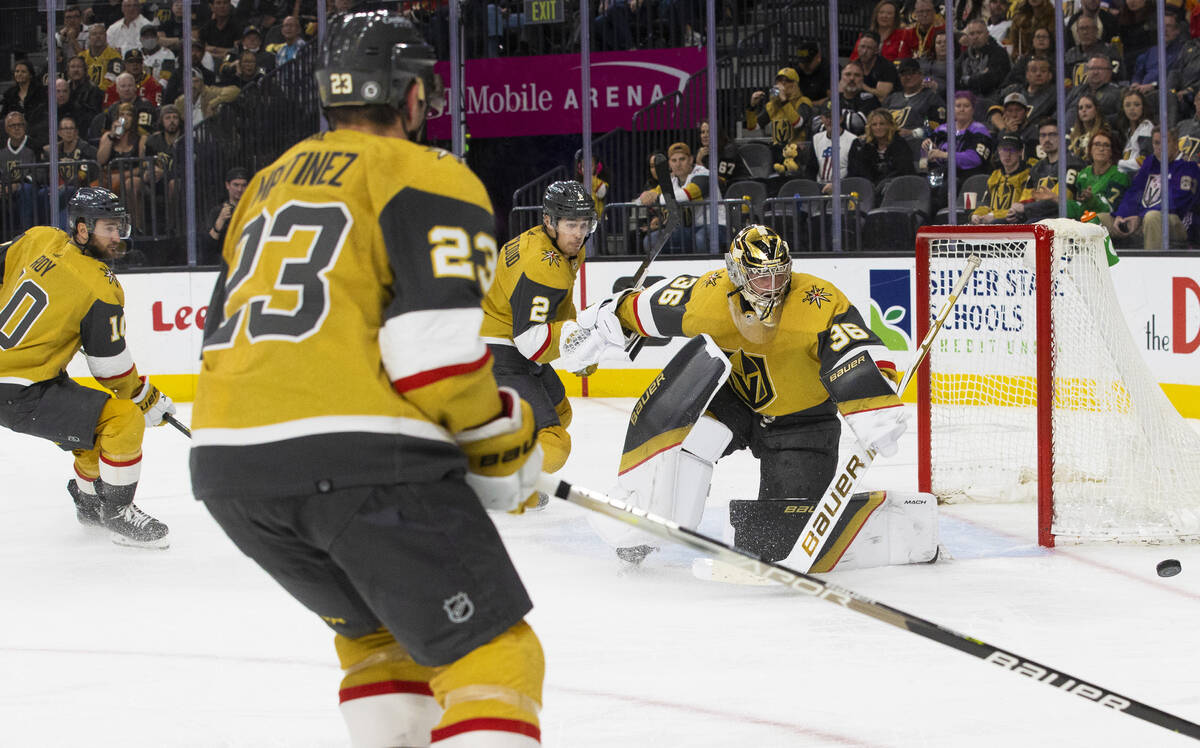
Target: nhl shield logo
{"type": "Point", "coordinates": [459, 607]}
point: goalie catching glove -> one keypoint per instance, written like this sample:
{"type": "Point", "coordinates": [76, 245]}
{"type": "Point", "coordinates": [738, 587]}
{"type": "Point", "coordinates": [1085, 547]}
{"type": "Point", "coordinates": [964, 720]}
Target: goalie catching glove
{"type": "Point", "coordinates": [155, 406]}
{"type": "Point", "coordinates": [504, 460]}
{"type": "Point", "coordinates": [585, 340]}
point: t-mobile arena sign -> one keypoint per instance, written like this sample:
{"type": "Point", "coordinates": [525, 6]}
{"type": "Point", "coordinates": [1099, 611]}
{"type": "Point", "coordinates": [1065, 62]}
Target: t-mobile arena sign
{"type": "Point", "coordinates": [514, 96]}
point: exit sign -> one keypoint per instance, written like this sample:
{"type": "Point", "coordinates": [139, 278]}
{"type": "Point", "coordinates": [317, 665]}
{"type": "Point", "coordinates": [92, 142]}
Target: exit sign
{"type": "Point", "coordinates": [545, 11]}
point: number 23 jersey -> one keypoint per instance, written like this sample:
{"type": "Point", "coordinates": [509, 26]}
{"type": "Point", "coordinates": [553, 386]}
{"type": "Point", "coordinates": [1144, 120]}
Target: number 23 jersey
{"type": "Point", "coordinates": [342, 343]}
{"type": "Point", "coordinates": [817, 326]}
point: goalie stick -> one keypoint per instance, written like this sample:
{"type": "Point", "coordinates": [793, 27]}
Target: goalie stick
{"type": "Point", "coordinates": [814, 587]}
{"type": "Point", "coordinates": [662, 173]}
{"type": "Point", "coordinates": [832, 506]}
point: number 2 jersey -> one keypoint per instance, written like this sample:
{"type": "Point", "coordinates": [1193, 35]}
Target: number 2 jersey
{"type": "Point", "coordinates": [55, 300]}
{"type": "Point", "coordinates": [342, 343]}
{"type": "Point", "coordinates": [817, 328]}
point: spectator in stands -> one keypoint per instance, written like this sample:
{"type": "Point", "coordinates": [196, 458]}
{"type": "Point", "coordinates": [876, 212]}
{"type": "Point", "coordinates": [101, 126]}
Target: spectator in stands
{"type": "Point", "coordinates": [206, 99]}
{"type": "Point", "coordinates": [855, 98]}
{"type": "Point", "coordinates": [915, 108]}
{"type": "Point", "coordinates": [600, 180]}
{"type": "Point", "coordinates": [1006, 183]}
{"type": "Point", "coordinates": [1088, 122]}
{"type": "Point", "coordinates": [1106, 22]}
{"type": "Point", "coordinates": [121, 142]}
{"type": "Point", "coordinates": [222, 31]}
{"type": "Point", "coordinates": [1139, 31]}
{"type": "Point", "coordinates": [126, 32]}
{"type": "Point", "coordinates": [726, 150]}
{"type": "Point", "coordinates": [1012, 118]}
{"type": "Point", "coordinates": [164, 146]}
{"type": "Point", "coordinates": [893, 41]}
{"type": "Point", "coordinates": [1039, 94]}
{"type": "Point", "coordinates": [1097, 84]}
{"type": "Point", "coordinates": [1027, 17]}
{"type": "Point", "coordinates": [820, 156]}
{"type": "Point", "coordinates": [1189, 135]}
{"type": "Point", "coordinates": [27, 96]}
{"type": "Point", "coordinates": [1043, 46]}
{"type": "Point", "coordinates": [998, 20]}
{"type": "Point", "coordinates": [1040, 197]}
{"type": "Point", "coordinates": [925, 26]}
{"type": "Point", "coordinates": [784, 114]}
{"type": "Point", "coordinates": [1101, 184]}
{"type": "Point", "coordinates": [104, 13]}
{"type": "Point", "coordinates": [812, 72]}
{"type": "Point", "coordinates": [147, 88]}
{"type": "Point", "coordinates": [86, 99]}
{"type": "Point", "coordinates": [251, 41]}
{"type": "Point", "coordinates": [984, 64]}
{"type": "Point", "coordinates": [171, 29]}
{"type": "Point", "coordinates": [879, 74]}
{"type": "Point", "coordinates": [159, 61]}
{"type": "Point", "coordinates": [1135, 125]}
{"type": "Point", "coordinates": [129, 94]}
{"type": "Point", "coordinates": [1183, 78]}
{"type": "Point", "coordinates": [966, 11]}
{"type": "Point", "coordinates": [935, 69]}
{"type": "Point", "coordinates": [244, 73]}
{"type": "Point", "coordinates": [880, 154]}
{"type": "Point", "coordinates": [175, 85]}
{"type": "Point", "coordinates": [71, 37]}
{"type": "Point", "coordinates": [287, 51]}
{"type": "Point", "coordinates": [71, 176]}
{"type": "Point", "coordinates": [217, 224]}
{"type": "Point", "coordinates": [973, 147]}
{"type": "Point", "coordinates": [691, 183]}
{"type": "Point", "coordinates": [17, 185]}
{"type": "Point", "coordinates": [103, 62]}
{"type": "Point", "coordinates": [1145, 75]}
{"type": "Point", "coordinates": [1078, 57]}
{"type": "Point", "coordinates": [611, 29]}
{"type": "Point", "coordinates": [66, 108]}
{"type": "Point", "coordinates": [1139, 216]}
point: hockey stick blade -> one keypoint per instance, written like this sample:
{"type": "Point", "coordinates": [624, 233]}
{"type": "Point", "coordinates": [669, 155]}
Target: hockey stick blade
{"type": "Point", "coordinates": [814, 587]}
{"type": "Point", "coordinates": [832, 506]}
{"type": "Point", "coordinates": [662, 173]}
{"type": "Point", "coordinates": [178, 424]}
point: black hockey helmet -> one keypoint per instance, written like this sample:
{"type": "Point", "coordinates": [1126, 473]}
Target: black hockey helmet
{"type": "Point", "coordinates": [92, 203]}
{"type": "Point", "coordinates": [372, 57]}
{"type": "Point", "coordinates": [568, 199]}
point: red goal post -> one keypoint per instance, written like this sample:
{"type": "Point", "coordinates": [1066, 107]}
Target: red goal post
{"type": "Point", "coordinates": [1035, 389]}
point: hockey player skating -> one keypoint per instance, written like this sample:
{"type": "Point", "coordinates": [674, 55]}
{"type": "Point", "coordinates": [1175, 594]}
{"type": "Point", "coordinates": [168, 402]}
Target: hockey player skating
{"type": "Point", "coordinates": [59, 294]}
{"type": "Point", "coordinates": [529, 312]}
{"type": "Point", "coordinates": [798, 354]}
{"type": "Point", "coordinates": [348, 431]}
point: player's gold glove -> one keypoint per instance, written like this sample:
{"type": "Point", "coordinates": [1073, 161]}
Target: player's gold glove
{"type": "Point", "coordinates": [504, 459]}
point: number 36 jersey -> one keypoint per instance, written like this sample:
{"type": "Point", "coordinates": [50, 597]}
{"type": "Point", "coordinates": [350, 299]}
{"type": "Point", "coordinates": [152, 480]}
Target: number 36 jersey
{"type": "Point", "coordinates": [342, 342]}
{"type": "Point", "coordinates": [817, 327]}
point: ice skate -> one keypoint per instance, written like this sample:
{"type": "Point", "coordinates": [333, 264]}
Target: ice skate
{"type": "Point", "coordinates": [126, 523]}
{"type": "Point", "coordinates": [87, 506]}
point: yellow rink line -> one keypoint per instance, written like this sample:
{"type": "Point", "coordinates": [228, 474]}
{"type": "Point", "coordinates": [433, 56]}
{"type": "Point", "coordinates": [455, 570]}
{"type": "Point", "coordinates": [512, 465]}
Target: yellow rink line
{"type": "Point", "coordinates": [632, 382]}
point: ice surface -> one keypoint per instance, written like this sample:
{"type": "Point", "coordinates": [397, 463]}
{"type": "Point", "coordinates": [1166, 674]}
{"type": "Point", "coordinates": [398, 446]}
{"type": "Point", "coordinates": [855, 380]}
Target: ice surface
{"type": "Point", "coordinates": [194, 646]}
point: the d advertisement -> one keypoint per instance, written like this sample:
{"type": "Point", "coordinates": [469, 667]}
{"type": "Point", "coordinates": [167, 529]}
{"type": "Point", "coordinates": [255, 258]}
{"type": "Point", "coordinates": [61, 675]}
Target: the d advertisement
{"type": "Point", "coordinates": [514, 96]}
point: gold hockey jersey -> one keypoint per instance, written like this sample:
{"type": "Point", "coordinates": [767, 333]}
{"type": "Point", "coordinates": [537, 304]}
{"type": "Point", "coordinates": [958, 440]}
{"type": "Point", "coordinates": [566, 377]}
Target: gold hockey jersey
{"type": "Point", "coordinates": [342, 343]}
{"type": "Point", "coordinates": [818, 326]}
{"type": "Point", "coordinates": [532, 296]}
{"type": "Point", "coordinates": [55, 300]}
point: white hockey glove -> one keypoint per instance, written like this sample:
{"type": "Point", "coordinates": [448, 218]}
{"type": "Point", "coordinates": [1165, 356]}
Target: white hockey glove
{"type": "Point", "coordinates": [880, 429]}
{"type": "Point", "coordinates": [602, 316]}
{"type": "Point", "coordinates": [154, 404]}
{"type": "Point", "coordinates": [504, 460]}
{"type": "Point", "coordinates": [580, 348]}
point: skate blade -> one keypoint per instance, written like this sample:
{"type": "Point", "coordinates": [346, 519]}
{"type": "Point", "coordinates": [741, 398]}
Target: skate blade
{"type": "Point", "coordinates": [717, 571]}
{"type": "Point", "coordinates": [161, 544]}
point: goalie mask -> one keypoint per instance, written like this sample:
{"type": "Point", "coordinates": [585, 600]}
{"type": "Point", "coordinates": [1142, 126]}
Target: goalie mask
{"type": "Point", "coordinates": [760, 268]}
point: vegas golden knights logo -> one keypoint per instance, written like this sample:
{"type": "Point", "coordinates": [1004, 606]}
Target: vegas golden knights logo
{"type": "Point", "coordinates": [781, 131]}
{"type": "Point", "coordinates": [750, 379]}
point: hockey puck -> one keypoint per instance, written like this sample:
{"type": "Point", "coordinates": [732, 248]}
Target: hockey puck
{"type": "Point", "coordinates": [1169, 567]}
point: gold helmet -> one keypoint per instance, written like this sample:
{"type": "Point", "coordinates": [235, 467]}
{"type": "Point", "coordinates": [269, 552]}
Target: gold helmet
{"type": "Point", "coordinates": [760, 267]}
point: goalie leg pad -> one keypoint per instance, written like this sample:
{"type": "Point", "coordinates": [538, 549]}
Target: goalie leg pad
{"type": "Point", "coordinates": [385, 696]}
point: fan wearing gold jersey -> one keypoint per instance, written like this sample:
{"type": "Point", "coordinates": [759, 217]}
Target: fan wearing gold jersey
{"type": "Point", "coordinates": [60, 295]}
{"type": "Point", "coordinates": [529, 312]}
{"type": "Point", "coordinates": [348, 433]}
{"type": "Point", "coordinates": [788, 335]}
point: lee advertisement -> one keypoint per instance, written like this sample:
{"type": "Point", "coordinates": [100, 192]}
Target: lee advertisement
{"type": "Point", "coordinates": [516, 96]}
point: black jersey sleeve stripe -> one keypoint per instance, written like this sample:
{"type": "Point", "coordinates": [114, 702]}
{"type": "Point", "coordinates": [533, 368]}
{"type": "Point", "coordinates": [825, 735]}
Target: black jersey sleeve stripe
{"type": "Point", "coordinates": [100, 330]}
{"type": "Point", "coordinates": [439, 249]}
{"type": "Point", "coordinates": [533, 303]}
{"type": "Point", "coordinates": [846, 332]}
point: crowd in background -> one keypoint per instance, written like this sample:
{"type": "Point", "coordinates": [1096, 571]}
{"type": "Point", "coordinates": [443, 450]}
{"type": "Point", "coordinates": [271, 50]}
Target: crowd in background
{"type": "Point", "coordinates": [120, 105]}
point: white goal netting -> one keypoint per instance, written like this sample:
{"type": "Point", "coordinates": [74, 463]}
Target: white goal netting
{"type": "Point", "coordinates": [1126, 466]}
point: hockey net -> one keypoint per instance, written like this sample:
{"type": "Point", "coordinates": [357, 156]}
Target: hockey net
{"type": "Point", "coordinates": [1036, 390]}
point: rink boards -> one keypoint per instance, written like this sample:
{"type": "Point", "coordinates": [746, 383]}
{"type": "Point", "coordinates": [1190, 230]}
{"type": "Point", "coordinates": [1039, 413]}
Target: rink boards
{"type": "Point", "coordinates": [1159, 296]}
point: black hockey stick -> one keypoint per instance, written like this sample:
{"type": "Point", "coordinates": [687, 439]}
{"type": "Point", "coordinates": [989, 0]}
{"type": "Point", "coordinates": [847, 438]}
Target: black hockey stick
{"type": "Point", "coordinates": [662, 172]}
{"type": "Point", "coordinates": [814, 587]}
{"type": "Point", "coordinates": [177, 424]}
